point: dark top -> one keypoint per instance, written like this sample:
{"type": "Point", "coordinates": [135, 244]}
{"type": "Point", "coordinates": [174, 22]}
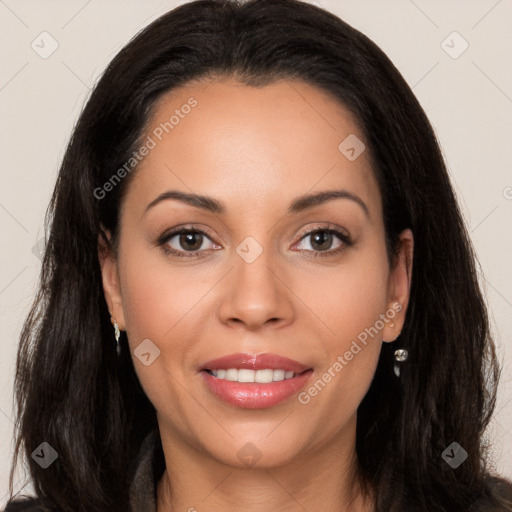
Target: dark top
{"type": "Point", "coordinates": [148, 473]}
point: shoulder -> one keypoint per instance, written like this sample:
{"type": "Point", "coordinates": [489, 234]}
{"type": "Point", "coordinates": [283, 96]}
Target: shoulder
{"type": "Point", "coordinates": [31, 505]}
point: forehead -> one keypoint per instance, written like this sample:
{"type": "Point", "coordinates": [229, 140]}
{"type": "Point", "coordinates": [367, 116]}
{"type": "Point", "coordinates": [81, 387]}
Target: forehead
{"type": "Point", "coordinates": [252, 146]}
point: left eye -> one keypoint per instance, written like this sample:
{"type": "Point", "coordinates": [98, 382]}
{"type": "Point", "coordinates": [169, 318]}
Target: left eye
{"type": "Point", "coordinates": [322, 239]}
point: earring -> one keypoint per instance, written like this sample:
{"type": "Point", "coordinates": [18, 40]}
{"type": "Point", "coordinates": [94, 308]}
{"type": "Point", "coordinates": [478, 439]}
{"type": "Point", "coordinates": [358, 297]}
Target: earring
{"type": "Point", "coordinates": [401, 356]}
{"type": "Point", "coordinates": [117, 335]}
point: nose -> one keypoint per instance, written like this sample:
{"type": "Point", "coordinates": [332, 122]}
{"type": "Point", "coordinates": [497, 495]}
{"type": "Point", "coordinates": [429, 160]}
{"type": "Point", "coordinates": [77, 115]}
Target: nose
{"type": "Point", "coordinates": [256, 295]}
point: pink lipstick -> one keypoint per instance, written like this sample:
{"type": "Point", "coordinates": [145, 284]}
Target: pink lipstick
{"type": "Point", "coordinates": [252, 381]}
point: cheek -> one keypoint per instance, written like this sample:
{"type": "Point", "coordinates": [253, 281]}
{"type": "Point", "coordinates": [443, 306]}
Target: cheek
{"type": "Point", "coordinates": [352, 305]}
{"type": "Point", "coordinates": [167, 304]}
{"type": "Point", "coordinates": [338, 387]}
{"type": "Point", "coordinates": [162, 304]}
{"type": "Point", "coordinates": [350, 297]}
{"type": "Point", "coordinates": [159, 299]}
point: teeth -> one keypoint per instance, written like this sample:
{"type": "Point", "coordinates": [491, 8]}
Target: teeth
{"type": "Point", "coordinates": [246, 375]}
{"type": "Point", "coordinates": [232, 374]}
{"type": "Point", "coordinates": [279, 375]}
{"type": "Point", "coordinates": [259, 376]}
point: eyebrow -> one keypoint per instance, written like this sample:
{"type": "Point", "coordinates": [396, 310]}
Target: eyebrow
{"type": "Point", "coordinates": [299, 204]}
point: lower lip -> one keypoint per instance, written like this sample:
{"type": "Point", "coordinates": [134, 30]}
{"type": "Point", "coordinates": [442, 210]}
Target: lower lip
{"type": "Point", "coordinates": [253, 395]}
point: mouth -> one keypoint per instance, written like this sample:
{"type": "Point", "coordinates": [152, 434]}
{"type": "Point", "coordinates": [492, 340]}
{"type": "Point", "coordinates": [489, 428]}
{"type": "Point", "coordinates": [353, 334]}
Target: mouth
{"type": "Point", "coordinates": [259, 376]}
{"type": "Point", "coordinates": [251, 381]}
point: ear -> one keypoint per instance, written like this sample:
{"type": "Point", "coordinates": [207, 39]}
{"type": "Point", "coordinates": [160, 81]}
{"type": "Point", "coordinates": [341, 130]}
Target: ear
{"type": "Point", "coordinates": [399, 287]}
{"type": "Point", "coordinates": [110, 278]}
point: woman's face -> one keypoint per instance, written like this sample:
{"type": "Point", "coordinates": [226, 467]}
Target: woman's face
{"type": "Point", "coordinates": [256, 285]}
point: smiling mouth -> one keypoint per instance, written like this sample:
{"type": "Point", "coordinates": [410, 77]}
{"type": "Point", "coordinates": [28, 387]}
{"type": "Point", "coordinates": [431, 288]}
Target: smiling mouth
{"type": "Point", "coordinates": [253, 389]}
{"type": "Point", "coordinates": [254, 381]}
{"type": "Point", "coordinates": [244, 375]}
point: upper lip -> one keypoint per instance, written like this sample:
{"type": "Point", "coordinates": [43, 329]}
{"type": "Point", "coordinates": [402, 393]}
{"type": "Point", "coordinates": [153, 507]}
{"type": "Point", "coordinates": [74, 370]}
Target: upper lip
{"type": "Point", "coordinates": [255, 362]}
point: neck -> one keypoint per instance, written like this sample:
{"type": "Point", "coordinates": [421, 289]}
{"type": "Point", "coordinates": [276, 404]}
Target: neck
{"type": "Point", "coordinates": [325, 479]}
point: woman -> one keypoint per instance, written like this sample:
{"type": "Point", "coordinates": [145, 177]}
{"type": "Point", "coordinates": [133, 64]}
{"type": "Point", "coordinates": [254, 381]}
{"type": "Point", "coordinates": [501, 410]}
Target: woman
{"type": "Point", "coordinates": [321, 344]}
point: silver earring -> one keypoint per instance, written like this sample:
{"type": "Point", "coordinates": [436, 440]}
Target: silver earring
{"type": "Point", "coordinates": [401, 356]}
{"type": "Point", "coordinates": [117, 334]}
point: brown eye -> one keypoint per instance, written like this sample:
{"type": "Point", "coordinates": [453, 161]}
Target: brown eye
{"type": "Point", "coordinates": [185, 242]}
{"type": "Point", "coordinates": [321, 240]}
{"type": "Point", "coordinates": [191, 241]}
{"type": "Point", "coordinates": [324, 241]}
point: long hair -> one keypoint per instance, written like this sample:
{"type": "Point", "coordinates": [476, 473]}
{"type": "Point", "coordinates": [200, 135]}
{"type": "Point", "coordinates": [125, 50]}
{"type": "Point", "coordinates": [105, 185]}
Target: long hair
{"type": "Point", "coordinates": [75, 394]}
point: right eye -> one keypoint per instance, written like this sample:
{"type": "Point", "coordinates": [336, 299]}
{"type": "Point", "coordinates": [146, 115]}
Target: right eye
{"type": "Point", "coordinates": [184, 242]}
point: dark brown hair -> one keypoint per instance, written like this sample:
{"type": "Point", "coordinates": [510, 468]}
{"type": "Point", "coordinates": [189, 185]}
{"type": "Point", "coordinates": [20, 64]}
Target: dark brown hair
{"type": "Point", "coordinates": [73, 392]}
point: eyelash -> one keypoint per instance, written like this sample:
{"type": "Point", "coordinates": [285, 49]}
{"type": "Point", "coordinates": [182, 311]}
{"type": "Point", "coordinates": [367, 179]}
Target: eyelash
{"type": "Point", "coordinates": [344, 238]}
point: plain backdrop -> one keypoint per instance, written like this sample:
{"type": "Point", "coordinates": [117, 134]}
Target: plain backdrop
{"type": "Point", "coordinates": [462, 80]}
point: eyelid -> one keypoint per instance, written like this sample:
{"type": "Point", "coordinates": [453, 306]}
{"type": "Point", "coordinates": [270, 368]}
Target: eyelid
{"type": "Point", "coordinates": [324, 226]}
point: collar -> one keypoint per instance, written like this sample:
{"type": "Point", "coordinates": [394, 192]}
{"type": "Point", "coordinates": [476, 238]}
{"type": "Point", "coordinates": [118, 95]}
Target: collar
{"type": "Point", "coordinates": [149, 467]}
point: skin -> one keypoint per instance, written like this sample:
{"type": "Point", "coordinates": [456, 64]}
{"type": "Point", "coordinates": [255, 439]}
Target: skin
{"type": "Point", "coordinates": [256, 150]}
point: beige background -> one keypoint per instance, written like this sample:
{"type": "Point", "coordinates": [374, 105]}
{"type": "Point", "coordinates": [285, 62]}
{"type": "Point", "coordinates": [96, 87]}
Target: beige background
{"type": "Point", "coordinates": [468, 100]}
